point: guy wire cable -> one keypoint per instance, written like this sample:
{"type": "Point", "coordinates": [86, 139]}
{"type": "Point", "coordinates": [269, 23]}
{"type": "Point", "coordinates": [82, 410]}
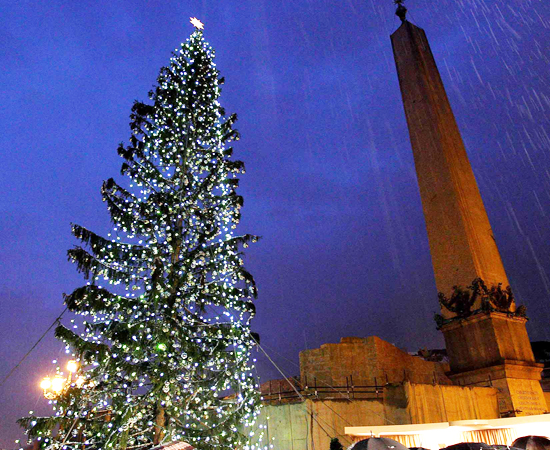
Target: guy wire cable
{"type": "Point", "coordinates": [57, 320]}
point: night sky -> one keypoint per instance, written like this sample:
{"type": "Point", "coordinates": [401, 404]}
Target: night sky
{"type": "Point", "coordinates": [330, 182]}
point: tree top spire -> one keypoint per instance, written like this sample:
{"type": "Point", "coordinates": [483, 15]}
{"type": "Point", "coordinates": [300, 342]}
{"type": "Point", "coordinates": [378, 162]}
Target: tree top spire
{"type": "Point", "coordinates": [197, 23]}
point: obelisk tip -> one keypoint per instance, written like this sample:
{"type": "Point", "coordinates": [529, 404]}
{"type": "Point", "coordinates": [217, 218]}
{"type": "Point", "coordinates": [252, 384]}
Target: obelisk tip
{"type": "Point", "coordinates": [401, 11]}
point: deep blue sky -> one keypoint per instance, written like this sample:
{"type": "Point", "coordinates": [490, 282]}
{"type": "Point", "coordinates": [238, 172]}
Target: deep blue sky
{"type": "Point", "coordinates": [330, 182]}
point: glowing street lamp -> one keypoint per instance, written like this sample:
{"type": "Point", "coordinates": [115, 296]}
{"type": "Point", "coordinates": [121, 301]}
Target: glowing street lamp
{"type": "Point", "coordinates": [54, 387]}
{"type": "Point", "coordinates": [46, 383]}
{"type": "Point", "coordinates": [58, 384]}
{"type": "Point", "coordinates": [72, 366]}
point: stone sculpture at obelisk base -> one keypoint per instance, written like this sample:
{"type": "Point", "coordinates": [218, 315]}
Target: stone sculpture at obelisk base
{"type": "Point", "coordinates": [484, 332]}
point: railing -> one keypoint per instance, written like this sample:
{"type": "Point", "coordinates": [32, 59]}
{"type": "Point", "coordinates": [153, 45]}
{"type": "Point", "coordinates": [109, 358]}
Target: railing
{"type": "Point", "coordinates": [281, 390]}
{"type": "Point", "coordinates": [284, 392]}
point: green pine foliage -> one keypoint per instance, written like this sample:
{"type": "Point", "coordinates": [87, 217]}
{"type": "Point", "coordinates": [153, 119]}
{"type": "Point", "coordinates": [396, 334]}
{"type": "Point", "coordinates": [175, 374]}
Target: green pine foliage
{"type": "Point", "coordinates": [165, 354]}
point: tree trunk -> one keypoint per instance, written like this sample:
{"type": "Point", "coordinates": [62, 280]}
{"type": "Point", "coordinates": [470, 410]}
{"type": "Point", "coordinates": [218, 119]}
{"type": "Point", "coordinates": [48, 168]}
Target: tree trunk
{"type": "Point", "coordinates": [159, 425]}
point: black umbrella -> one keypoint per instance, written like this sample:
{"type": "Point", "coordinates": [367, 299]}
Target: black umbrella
{"type": "Point", "coordinates": [379, 444]}
{"type": "Point", "coordinates": [532, 443]}
{"type": "Point", "coordinates": [504, 447]}
{"type": "Point", "coordinates": [469, 446]}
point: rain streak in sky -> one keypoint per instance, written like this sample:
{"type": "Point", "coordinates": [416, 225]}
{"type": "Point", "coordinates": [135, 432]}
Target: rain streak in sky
{"type": "Point", "coordinates": [330, 182]}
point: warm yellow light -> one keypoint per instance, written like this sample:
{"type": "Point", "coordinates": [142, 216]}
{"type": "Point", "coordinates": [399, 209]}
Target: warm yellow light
{"type": "Point", "coordinates": [46, 383]}
{"type": "Point", "coordinates": [80, 381]}
{"type": "Point", "coordinates": [72, 366]}
{"type": "Point", "coordinates": [57, 384]}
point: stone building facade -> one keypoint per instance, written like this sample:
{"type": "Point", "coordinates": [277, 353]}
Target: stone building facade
{"type": "Point", "coordinates": [364, 381]}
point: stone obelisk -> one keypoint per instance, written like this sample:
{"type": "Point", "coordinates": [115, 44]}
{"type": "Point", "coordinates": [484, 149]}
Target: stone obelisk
{"type": "Point", "coordinates": [485, 336]}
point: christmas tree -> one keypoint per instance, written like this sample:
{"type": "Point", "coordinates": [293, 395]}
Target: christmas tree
{"type": "Point", "coordinates": [165, 354]}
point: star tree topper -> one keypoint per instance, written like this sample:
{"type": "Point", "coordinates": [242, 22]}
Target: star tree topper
{"type": "Point", "coordinates": [197, 23]}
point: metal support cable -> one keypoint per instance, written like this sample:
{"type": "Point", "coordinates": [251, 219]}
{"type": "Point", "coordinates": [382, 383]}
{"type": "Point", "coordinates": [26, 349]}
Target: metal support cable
{"type": "Point", "coordinates": [57, 320]}
{"type": "Point", "coordinates": [277, 367]}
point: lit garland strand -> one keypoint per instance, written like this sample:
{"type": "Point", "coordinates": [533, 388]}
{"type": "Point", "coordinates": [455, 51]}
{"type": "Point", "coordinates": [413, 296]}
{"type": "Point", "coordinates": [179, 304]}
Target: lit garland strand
{"type": "Point", "coordinates": [166, 351]}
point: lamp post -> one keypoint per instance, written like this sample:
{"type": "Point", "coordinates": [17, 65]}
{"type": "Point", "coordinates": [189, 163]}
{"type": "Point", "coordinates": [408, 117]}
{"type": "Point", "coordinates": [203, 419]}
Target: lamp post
{"type": "Point", "coordinates": [54, 387]}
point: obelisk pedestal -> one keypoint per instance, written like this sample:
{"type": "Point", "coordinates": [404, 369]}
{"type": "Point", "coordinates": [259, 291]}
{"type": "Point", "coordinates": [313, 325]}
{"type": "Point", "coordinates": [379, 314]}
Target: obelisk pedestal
{"type": "Point", "coordinates": [486, 338]}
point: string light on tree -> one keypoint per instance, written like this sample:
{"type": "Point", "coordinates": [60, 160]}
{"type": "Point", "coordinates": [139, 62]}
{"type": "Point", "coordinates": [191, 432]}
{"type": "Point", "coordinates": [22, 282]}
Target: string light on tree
{"type": "Point", "coordinates": [165, 350]}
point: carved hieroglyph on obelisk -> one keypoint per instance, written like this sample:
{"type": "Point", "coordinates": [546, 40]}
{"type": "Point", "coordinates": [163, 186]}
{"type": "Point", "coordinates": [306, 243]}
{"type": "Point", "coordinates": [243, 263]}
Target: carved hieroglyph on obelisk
{"type": "Point", "coordinates": [485, 336]}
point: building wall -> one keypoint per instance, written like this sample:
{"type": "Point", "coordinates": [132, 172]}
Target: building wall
{"type": "Point", "coordinates": [547, 398]}
{"type": "Point", "coordinates": [284, 425]}
{"type": "Point", "coordinates": [328, 419]}
{"type": "Point", "coordinates": [366, 361]}
{"type": "Point", "coordinates": [436, 403]}
{"type": "Point", "coordinates": [399, 389]}
{"type": "Point", "coordinates": [311, 423]}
